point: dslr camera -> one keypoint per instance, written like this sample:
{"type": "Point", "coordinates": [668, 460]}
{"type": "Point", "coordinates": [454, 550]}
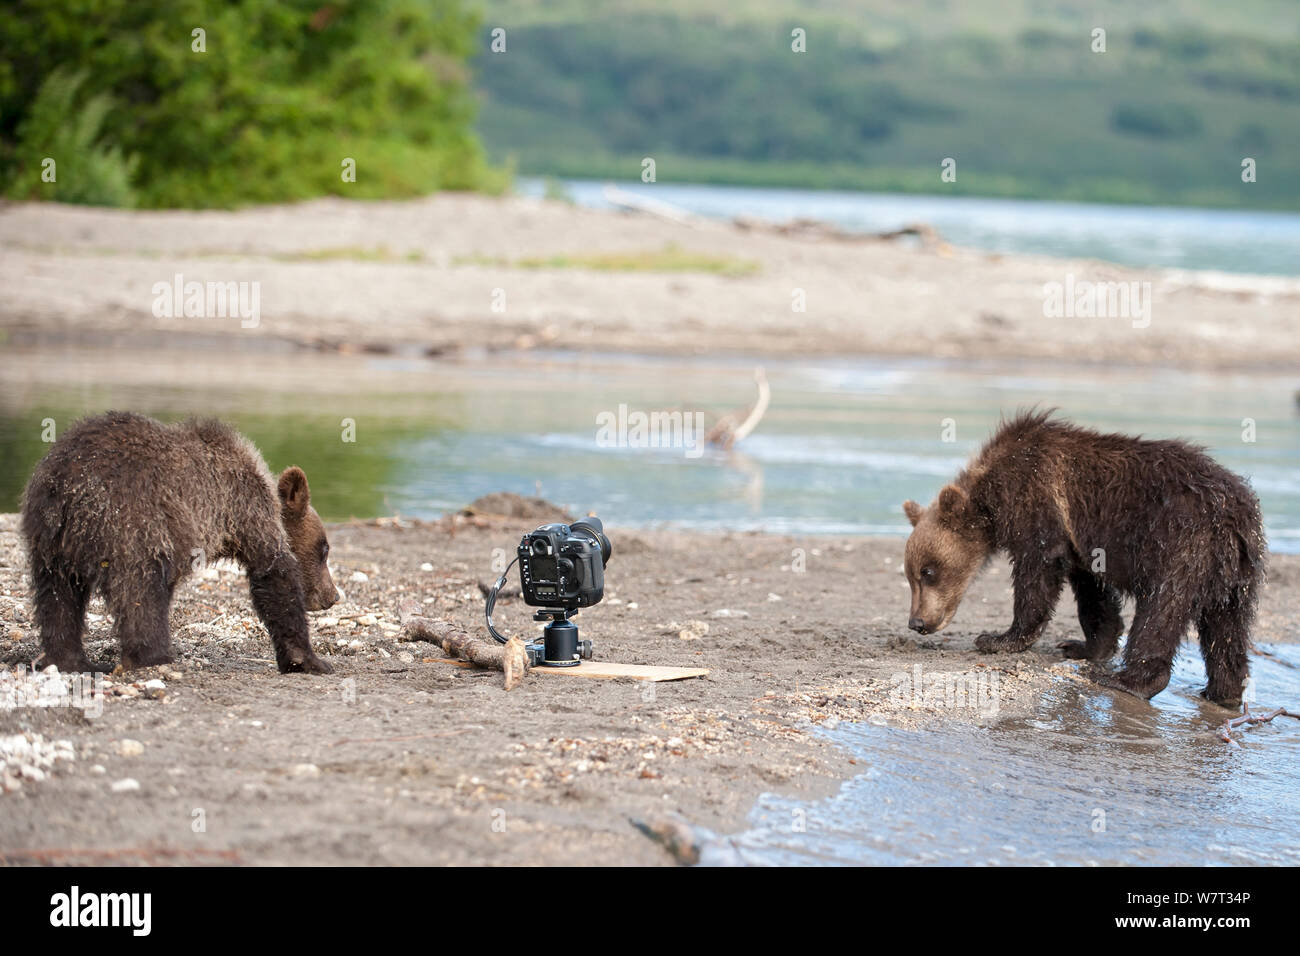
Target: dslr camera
{"type": "Point", "coordinates": [561, 569]}
{"type": "Point", "coordinates": [563, 566]}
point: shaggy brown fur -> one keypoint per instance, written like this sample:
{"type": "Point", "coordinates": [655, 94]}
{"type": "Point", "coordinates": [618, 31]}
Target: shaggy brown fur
{"type": "Point", "coordinates": [1159, 521]}
{"type": "Point", "coordinates": [129, 506]}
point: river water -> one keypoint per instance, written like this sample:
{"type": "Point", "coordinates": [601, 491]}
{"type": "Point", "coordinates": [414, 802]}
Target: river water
{"type": "Point", "coordinates": [842, 445]}
{"type": "Point", "coordinates": [1091, 778]}
{"type": "Point", "coordinates": [1185, 237]}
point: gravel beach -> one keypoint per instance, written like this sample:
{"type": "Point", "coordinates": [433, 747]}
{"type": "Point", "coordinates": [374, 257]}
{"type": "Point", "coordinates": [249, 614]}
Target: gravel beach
{"type": "Point", "coordinates": [402, 758]}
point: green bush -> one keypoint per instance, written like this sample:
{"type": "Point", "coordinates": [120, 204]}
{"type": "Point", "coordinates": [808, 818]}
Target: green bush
{"type": "Point", "coordinates": [282, 93]}
{"type": "Point", "coordinates": [59, 153]}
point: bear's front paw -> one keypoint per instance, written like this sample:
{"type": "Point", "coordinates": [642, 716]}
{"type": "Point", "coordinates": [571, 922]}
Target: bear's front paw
{"type": "Point", "coordinates": [304, 663]}
{"type": "Point", "coordinates": [992, 642]}
{"type": "Point", "coordinates": [314, 665]}
{"type": "Point", "coordinates": [71, 663]}
{"type": "Point", "coordinates": [1074, 650]}
{"type": "Point", "coordinates": [1144, 686]}
{"type": "Point", "coordinates": [135, 660]}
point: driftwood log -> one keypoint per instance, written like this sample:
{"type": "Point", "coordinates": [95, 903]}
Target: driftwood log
{"type": "Point", "coordinates": [509, 658]}
{"type": "Point", "coordinates": [1248, 720]}
{"type": "Point", "coordinates": [732, 428]}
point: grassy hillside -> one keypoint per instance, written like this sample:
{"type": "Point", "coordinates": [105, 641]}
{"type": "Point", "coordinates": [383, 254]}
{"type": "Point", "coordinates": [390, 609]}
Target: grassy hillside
{"type": "Point", "coordinates": [1011, 90]}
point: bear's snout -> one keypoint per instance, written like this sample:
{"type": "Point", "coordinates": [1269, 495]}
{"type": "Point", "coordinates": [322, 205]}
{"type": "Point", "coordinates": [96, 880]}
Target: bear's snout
{"type": "Point", "coordinates": [325, 601]}
{"type": "Point", "coordinates": [918, 625]}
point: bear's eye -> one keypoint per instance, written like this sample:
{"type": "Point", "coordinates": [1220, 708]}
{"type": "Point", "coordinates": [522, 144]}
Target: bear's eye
{"type": "Point", "coordinates": [928, 573]}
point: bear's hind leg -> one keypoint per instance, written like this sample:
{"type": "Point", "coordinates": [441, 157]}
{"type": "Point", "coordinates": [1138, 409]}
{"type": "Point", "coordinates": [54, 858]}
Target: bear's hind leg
{"type": "Point", "coordinates": [140, 621]}
{"type": "Point", "coordinates": [1099, 616]}
{"type": "Point", "coordinates": [1224, 630]}
{"type": "Point", "coordinates": [61, 600]}
{"type": "Point", "coordinates": [1158, 628]}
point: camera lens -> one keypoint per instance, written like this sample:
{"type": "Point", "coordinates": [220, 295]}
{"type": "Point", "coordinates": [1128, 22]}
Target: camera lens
{"type": "Point", "coordinates": [593, 529]}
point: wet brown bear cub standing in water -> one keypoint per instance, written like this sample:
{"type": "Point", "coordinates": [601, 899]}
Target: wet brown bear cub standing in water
{"type": "Point", "coordinates": [1155, 520]}
{"type": "Point", "coordinates": [128, 505]}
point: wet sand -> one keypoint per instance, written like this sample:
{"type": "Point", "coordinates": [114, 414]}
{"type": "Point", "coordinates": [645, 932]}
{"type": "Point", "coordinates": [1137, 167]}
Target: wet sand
{"type": "Point", "coordinates": [398, 758]}
{"type": "Point", "coordinates": [453, 271]}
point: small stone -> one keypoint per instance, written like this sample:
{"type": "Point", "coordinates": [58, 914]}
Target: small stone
{"type": "Point", "coordinates": [130, 748]}
{"type": "Point", "coordinates": [125, 785]}
{"type": "Point", "coordinates": [155, 689]}
{"type": "Point", "coordinates": [694, 630]}
{"type": "Point", "coordinates": [406, 657]}
{"type": "Point", "coordinates": [426, 566]}
{"type": "Point", "coordinates": [367, 620]}
{"type": "Point", "coordinates": [304, 770]}
{"type": "Point", "coordinates": [327, 622]}
{"type": "Point", "coordinates": [98, 769]}
{"type": "Point", "coordinates": [28, 772]}
{"type": "Point", "coordinates": [358, 577]}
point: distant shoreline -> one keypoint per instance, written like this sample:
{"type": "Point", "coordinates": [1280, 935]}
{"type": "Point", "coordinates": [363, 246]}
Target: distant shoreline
{"type": "Point", "coordinates": [963, 219]}
{"type": "Point", "coordinates": [456, 271]}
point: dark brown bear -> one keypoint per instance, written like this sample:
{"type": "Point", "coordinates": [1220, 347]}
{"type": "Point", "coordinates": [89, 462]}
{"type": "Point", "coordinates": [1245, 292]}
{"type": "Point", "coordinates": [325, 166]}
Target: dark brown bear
{"type": "Point", "coordinates": [1116, 516]}
{"type": "Point", "coordinates": [128, 505]}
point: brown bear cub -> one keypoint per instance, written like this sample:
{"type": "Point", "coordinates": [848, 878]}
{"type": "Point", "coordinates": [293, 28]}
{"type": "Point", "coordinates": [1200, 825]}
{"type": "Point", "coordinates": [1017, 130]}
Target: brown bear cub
{"type": "Point", "coordinates": [127, 505]}
{"type": "Point", "coordinates": [1116, 516]}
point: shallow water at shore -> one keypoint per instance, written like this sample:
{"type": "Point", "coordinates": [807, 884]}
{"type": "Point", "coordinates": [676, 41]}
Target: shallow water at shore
{"type": "Point", "coordinates": [843, 443]}
{"type": "Point", "coordinates": [1091, 778]}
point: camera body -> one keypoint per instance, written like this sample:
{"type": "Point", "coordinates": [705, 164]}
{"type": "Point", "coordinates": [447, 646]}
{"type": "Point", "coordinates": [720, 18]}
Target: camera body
{"type": "Point", "coordinates": [563, 566]}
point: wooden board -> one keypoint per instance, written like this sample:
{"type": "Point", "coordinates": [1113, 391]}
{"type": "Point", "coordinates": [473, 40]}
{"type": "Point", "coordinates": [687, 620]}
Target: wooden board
{"type": "Point", "coordinates": [601, 670]}
{"type": "Point", "coordinates": [608, 669]}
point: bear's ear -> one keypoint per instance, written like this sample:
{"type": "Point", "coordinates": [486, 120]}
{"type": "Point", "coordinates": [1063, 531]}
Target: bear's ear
{"type": "Point", "coordinates": [951, 500]}
{"type": "Point", "coordinates": [295, 496]}
{"type": "Point", "coordinates": [913, 511]}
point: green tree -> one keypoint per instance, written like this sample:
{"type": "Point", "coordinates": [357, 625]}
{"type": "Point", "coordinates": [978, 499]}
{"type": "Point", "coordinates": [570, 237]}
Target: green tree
{"type": "Point", "coordinates": [252, 100]}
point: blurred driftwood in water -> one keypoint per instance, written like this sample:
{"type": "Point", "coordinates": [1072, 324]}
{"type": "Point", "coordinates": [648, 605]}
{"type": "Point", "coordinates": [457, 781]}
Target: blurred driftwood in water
{"type": "Point", "coordinates": [622, 199]}
{"type": "Point", "coordinates": [806, 228]}
{"type": "Point", "coordinates": [734, 427]}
